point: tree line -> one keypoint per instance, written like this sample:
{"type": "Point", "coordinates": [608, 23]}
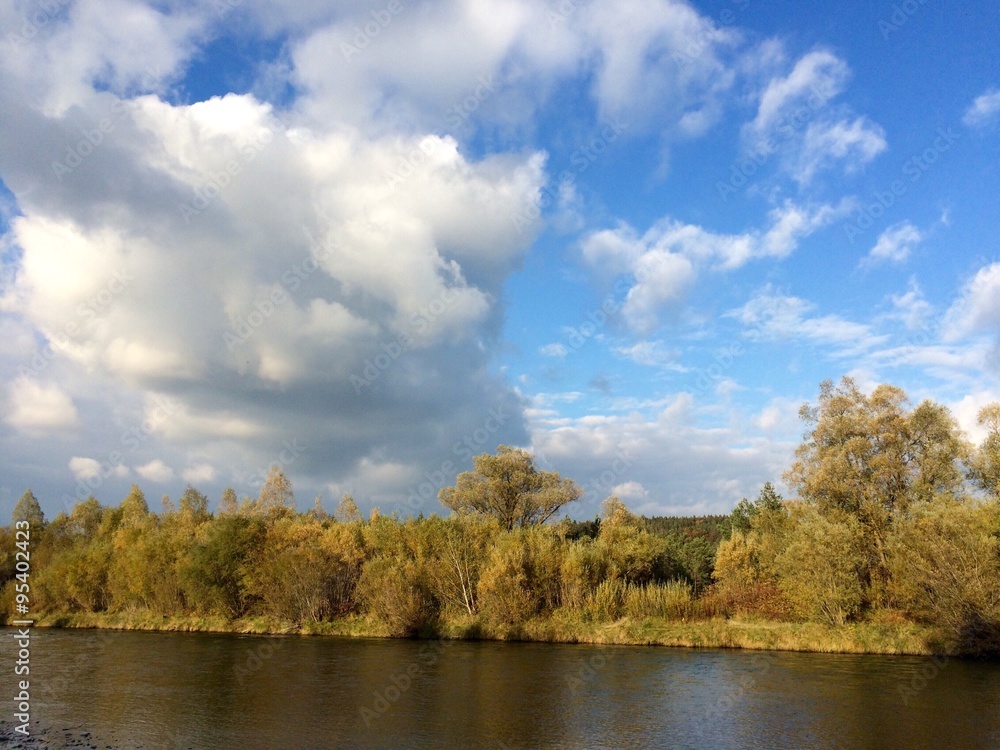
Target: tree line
{"type": "Point", "coordinates": [897, 520]}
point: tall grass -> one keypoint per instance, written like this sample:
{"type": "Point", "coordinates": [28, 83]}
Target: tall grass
{"type": "Point", "coordinates": [614, 598]}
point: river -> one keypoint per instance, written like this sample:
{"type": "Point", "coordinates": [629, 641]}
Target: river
{"type": "Point", "coordinates": [174, 690]}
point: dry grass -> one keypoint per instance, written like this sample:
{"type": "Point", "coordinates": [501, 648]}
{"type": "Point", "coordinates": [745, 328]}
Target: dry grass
{"type": "Point", "coordinates": [567, 626]}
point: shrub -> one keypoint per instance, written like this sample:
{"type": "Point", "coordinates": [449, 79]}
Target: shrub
{"type": "Point", "coordinates": [393, 592]}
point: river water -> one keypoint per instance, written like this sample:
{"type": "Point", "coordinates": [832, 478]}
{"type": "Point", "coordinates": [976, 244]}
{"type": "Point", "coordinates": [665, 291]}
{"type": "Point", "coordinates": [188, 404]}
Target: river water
{"type": "Point", "coordinates": [172, 690]}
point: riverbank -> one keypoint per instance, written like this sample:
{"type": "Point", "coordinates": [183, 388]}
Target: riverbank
{"type": "Point", "coordinates": [855, 638]}
{"type": "Point", "coordinates": [42, 737]}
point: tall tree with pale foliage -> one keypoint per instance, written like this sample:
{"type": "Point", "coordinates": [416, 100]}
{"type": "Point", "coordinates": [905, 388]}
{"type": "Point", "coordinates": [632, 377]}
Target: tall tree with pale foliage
{"type": "Point", "coordinates": [984, 469]}
{"type": "Point", "coordinates": [28, 509]}
{"type": "Point", "coordinates": [276, 492]}
{"type": "Point", "coordinates": [509, 487]}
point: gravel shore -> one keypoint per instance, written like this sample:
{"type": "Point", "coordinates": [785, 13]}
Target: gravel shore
{"type": "Point", "coordinates": [49, 738]}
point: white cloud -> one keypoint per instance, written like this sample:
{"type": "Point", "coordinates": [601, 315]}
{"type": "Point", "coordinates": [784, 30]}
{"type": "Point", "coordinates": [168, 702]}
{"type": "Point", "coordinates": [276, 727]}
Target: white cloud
{"type": "Point", "coordinates": [826, 144]}
{"type": "Point", "coordinates": [796, 121]}
{"type": "Point", "coordinates": [197, 473]}
{"type": "Point", "coordinates": [90, 468]}
{"type": "Point", "coordinates": [979, 306]}
{"type": "Point", "coordinates": [894, 244]}
{"type": "Point", "coordinates": [554, 350]}
{"type": "Point", "coordinates": [84, 468]}
{"type": "Point", "coordinates": [912, 308]}
{"type": "Point", "coordinates": [977, 311]}
{"type": "Point", "coordinates": [691, 468]}
{"type": "Point", "coordinates": [771, 316]}
{"type": "Point", "coordinates": [656, 64]}
{"type": "Point", "coordinates": [630, 490]}
{"type": "Point", "coordinates": [816, 78]}
{"type": "Point", "coordinates": [983, 110]}
{"type": "Point", "coordinates": [155, 471]}
{"type": "Point", "coordinates": [966, 412]}
{"type": "Point", "coordinates": [665, 260]}
{"type": "Point", "coordinates": [651, 354]}
{"type": "Point", "coordinates": [780, 416]}
{"type": "Point", "coordinates": [39, 407]}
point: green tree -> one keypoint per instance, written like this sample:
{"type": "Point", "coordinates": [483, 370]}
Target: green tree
{"type": "Point", "coordinates": [217, 570]}
{"type": "Point", "coordinates": [28, 509]}
{"type": "Point", "coordinates": [509, 487]}
{"type": "Point", "coordinates": [744, 512]}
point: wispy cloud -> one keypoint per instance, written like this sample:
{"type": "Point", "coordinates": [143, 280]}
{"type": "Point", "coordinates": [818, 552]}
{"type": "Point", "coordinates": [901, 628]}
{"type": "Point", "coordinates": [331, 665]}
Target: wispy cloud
{"type": "Point", "coordinates": [894, 245]}
{"type": "Point", "coordinates": [984, 110]}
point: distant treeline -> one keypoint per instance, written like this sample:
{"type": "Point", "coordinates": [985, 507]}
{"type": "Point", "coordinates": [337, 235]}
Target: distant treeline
{"type": "Point", "coordinates": [898, 521]}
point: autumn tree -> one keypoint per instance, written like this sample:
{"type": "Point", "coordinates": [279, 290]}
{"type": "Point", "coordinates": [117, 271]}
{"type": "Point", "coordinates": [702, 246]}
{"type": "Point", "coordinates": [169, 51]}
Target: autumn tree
{"type": "Point", "coordinates": [228, 503]}
{"type": "Point", "coordinates": [276, 493]}
{"type": "Point", "coordinates": [871, 457]}
{"type": "Point", "coordinates": [945, 560]}
{"type": "Point", "coordinates": [509, 487]}
{"type": "Point", "coordinates": [819, 571]}
{"type": "Point", "coordinates": [193, 505]}
{"type": "Point", "coordinates": [984, 469]}
{"type": "Point", "coordinates": [347, 510]}
{"type": "Point", "coordinates": [318, 512]}
{"type": "Point", "coordinates": [134, 505]}
{"type": "Point", "coordinates": [28, 509]}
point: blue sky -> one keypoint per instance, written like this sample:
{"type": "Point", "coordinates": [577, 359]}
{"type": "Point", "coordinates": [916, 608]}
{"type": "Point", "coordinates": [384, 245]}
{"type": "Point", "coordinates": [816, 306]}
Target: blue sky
{"type": "Point", "coordinates": [368, 240]}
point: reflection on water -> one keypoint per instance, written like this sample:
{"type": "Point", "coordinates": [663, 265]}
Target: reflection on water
{"type": "Point", "coordinates": [168, 690]}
